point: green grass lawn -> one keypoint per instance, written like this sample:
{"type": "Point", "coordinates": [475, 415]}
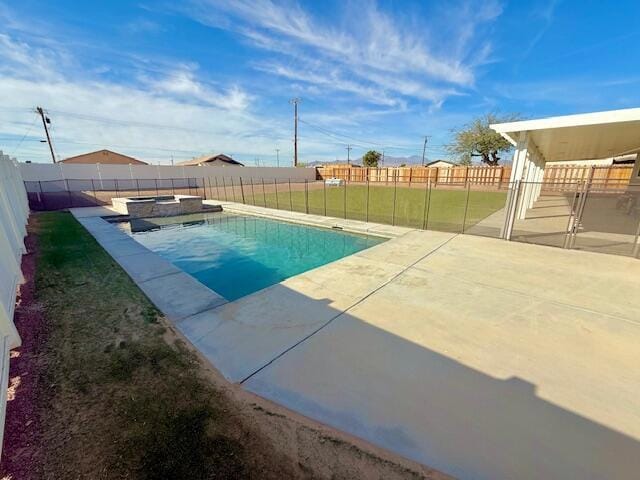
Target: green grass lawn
{"type": "Point", "coordinates": [436, 209]}
{"type": "Point", "coordinates": [121, 397]}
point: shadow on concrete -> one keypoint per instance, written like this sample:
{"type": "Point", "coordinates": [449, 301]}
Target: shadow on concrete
{"type": "Point", "coordinates": [428, 407]}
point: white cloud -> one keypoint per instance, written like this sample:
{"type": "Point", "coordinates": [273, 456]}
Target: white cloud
{"type": "Point", "coordinates": [381, 57]}
{"type": "Point", "coordinates": [184, 84]}
{"type": "Point", "coordinates": [148, 119]}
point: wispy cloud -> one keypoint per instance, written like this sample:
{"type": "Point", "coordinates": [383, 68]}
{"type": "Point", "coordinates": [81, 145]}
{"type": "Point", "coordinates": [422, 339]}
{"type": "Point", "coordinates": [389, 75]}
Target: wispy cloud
{"type": "Point", "coordinates": [184, 84]}
{"type": "Point", "coordinates": [150, 118]}
{"type": "Point", "coordinates": [384, 58]}
{"type": "Point", "coordinates": [142, 26]}
{"type": "Point", "coordinates": [545, 17]}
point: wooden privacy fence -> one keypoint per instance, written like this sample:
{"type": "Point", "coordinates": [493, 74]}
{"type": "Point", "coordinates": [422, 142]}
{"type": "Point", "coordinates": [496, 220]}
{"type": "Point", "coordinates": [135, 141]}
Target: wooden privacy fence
{"type": "Point", "coordinates": [556, 177]}
{"type": "Point", "coordinates": [475, 175]}
{"type": "Point", "coordinates": [608, 177]}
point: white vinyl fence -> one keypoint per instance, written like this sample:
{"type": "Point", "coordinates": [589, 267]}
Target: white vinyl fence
{"type": "Point", "coordinates": [45, 172]}
{"type": "Point", "coordinates": [14, 212]}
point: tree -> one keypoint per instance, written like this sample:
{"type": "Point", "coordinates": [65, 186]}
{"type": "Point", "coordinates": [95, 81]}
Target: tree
{"type": "Point", "coordinates": [371, 159]}
{"type": "Point", "coordinates": [477, 139]}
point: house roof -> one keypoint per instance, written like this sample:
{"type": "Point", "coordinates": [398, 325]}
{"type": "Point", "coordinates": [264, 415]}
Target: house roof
{"type": "Point", "coordinates": [211, 158]}
{"type": "Point", "coordinates": [439, 161]}
{"type": "Point", "coordinates": [104, 156]}
{"type": "Point", "coordinates": [579, 137]}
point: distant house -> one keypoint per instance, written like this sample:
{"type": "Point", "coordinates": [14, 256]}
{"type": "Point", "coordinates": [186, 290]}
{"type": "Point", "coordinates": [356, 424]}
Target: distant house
{"type": "Point", "coordinates": [218, 160]}
{"type": "Point", "coordinates": [441, 164]}
{"type": "Point", "coordinates": [106, 157]}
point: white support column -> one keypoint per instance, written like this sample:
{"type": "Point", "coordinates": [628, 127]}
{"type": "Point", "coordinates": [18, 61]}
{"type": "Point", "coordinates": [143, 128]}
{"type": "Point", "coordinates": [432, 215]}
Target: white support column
{"type": "Point", "coordinates": [532, 177]}
{"type": "Point", "coordinates": [519, 158]}
{"type": "Point", "coordinates": [527, 186]}
{"type": "Point", "coordinates": [539, 178]}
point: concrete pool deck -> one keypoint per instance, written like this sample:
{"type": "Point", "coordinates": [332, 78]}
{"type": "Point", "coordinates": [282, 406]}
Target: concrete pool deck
{"type": "Point", "coordinates": [479, 357]}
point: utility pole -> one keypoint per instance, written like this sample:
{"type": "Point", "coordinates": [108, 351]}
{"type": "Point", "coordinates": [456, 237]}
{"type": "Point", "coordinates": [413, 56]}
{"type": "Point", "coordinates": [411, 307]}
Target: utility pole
{"type": "Point", "coordinates": [277, 157]}
{"type": "Point", "coordinates": [349, 148]}
{"type": "Point", "coordinates": [382, 158]}
{"type": "Point", "coordinates": [46, 120]}
{"type": "Point", "coordinates": [424, 148]}
{"type": "Point", "coordinates": [295, 102]}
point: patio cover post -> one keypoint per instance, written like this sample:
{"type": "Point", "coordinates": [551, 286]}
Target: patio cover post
{"type": "Point", "coordinates": [516, 175]}
{"type": "Point", "coordinates": [530, 177]}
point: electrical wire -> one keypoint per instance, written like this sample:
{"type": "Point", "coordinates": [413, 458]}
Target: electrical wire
{"type": "Point", "coordinates": [15, 150]}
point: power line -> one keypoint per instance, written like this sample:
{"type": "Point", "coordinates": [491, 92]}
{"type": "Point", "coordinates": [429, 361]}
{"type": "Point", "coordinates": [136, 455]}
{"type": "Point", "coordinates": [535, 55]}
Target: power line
{"type": "Point", "coordinates": [338, 135]}
{"type": "Point", "coordinates": [335, 134]}
{"type": "Point", "coordinates": [126, 123]}
{"type": "Point", "coordinates": [15, 150]}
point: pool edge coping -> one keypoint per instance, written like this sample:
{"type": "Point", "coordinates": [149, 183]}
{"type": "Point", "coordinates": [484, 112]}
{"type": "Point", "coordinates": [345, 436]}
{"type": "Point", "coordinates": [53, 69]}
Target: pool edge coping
{"type": "Point", "coordinates": [210, 299]}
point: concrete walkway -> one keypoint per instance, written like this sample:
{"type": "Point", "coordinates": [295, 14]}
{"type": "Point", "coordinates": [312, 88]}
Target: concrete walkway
{"type": "Point", "coordinates": [482, 358]}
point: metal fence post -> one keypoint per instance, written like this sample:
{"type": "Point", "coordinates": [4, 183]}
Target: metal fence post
{"type": "Point", "coordinates": [344, 200]}
{"type": "Point", "coordinates": [324, 196]}
{"type": "Point", "coordinates": [217, 189]}
{"type": "Point", "coordinates": [306, 196]}
{"type": "Point", "coordinates": [138, 186]}
{"type": "Point", "coordinates": [571, 220]}
{"type": "Point", "coordinates": [42, 195]}
{"type": "Point", "coordinates": [395, 189]}
{"type": "Point", "coordinates": [290, 202]}
{"type": "Point", "coordinates": [367, 207]}
{"type": "Point", "coordinates": [264, 195]}
{"type": "Point", "coordinates": [242, 190]}
{"type": "Point", "coordinates": [253, 194]}
{"type": "Point", "coordinates": [224, 188]}
{"type": "Point", "coordinates": [466, 207]}
{"type": "Point", "coordinates": [173, 187]}
{"type": "Point", "coordinates": [233, 189]}
{"type": "Point", "coordinates": [275, 185]}
{"type": "Point", "coordinates": [157, 193]}
{"type": "Point", "coordinates": [586, 187]}
{"type": "Point", "coordinates": [425, 209]}
{"type": "Point", "coordinates": [93, 189]}
{"type": "Point", "coordinates": [116, 183]}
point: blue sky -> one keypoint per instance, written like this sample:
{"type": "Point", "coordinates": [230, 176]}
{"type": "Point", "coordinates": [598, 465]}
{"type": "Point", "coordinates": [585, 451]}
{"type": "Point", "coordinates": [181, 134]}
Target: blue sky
{"type": "Point", "coordinates": [178, 79]}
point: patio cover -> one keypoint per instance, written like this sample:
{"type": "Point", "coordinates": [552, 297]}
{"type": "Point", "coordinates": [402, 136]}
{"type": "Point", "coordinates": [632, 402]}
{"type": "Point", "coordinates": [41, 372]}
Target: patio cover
{"type": "Point", "coordinates": [584, 136]}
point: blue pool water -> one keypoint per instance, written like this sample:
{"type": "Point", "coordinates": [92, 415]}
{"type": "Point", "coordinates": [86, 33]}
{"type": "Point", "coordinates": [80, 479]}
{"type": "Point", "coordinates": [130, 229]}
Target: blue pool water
{"type": "Point", "coordinates": [237, 255]}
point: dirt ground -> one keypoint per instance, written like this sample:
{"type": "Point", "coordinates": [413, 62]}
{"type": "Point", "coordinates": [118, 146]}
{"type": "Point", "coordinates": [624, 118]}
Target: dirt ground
{"type": "Point", "coordinates": [104, 387]}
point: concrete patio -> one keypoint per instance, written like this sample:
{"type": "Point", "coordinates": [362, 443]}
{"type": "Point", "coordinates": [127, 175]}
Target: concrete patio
{"type": "Point", "coordinates": [479, 357]}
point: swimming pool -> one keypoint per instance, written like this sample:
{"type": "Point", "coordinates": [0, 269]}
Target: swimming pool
{"type": "Point", "coordinates": [236, 255]}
